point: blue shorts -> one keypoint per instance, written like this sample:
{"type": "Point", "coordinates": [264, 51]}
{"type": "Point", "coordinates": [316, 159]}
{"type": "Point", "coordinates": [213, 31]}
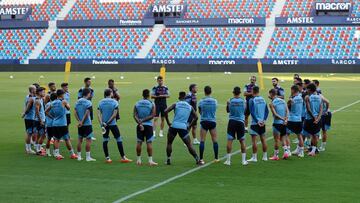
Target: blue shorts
{"type": "Point", "coordinates": [146, 134]}
{"type": "Point", "coordinates": [310, 128]}
{"type": "Point", "coordinates": [326, 121]}
{"type": "Point", "coordinates": [208, 125]}
{"type": "Point", "coordinates": [236, 129]}
{"type": "Point", "coordinates": [29, 126]}
{"type": "Point", "coordinates": [279, 129]}
{"type": "Point", "coordinates": [294, 127]}
{"type": "Point", "coordinates": [182, 133]}
{"type": "Point", "coordinates": [61, 132]}
{"type": "Point", "coordinates": [49, 132]}
{"type": "Point", "coordinates": [160, 110]}
{"type": "Point", "coordinates": [85, 132]}
{"type": "Point", "coordinates": [39, 129]}
{"type": "Point", "coordinates": [256, 130]}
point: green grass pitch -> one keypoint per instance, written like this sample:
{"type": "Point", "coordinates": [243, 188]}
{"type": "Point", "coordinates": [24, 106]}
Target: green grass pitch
{"type": "Point", "coordinates": [333, 176]}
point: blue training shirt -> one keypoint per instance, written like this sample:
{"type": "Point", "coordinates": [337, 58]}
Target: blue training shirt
{"type": "Point", "coordinates": [315, 105]}
{"type": "Point", "coordinates": [237, 108]}
{"type": "Point", "coordinates": [58, 112]}
{"type": "Point", "coordinates": [48, 120]}
{"type": "Point", "coordinates": [182, 113]}
{"type": "Point", "coordinates": [144, 109]}
{"type": "Point", "coordinates": [41, 110]}
{"type": "Point", "coordinates": [207, 107]}
{"type": "Point", "coordinates": [30, 115]}
{"type": "Point", "coordinates": [92, 93]}
{"type": "Point", "coordinates": [107, 107]}
{"type": "Point", "coordinates": [280, 108]}
{"type": "Point", "coordinates": [80, 107]}
{"type": "Point", "coordinates": [258, 109]}
{"type": "Point", "coordinates": [296, 109]}
{"type": "Point", "coordinates": [67, 98]}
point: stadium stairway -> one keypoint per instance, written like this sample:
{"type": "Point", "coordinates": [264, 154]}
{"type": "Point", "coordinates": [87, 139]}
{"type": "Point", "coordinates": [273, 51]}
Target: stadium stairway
{"type": "Point", "coordinates": [154, 35]}
{"type": "Point", "coordinates": [50, 31]}
{"type": "Point", "coordinates": [66, 9]}
{"type": "Point", "coordinates": [269, 30]}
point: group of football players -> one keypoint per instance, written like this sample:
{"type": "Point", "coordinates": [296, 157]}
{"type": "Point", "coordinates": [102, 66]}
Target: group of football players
{"type": "Point", "coordinates": [305, 113]}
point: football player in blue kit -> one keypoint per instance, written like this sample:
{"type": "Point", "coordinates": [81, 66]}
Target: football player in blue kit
{"type": "Point", "coordinates": [236, 107]}
{"type": "Point", "coordinates": [144, 112]}
{"type": "Point", "coordinates": [207, 110]}
{"type": "Point", "coordinates": [325, 122]}
{"type": "Point", "coordinates": [29, 115]}
{"type": "Point", "coordinates": [48, 125]}
{"type": "Point", "coordinates": [85, 130]}
{"type": "Point", "coordinates": [314, 111]}
{"type": "Point", "coordinates": [57, 112]}
{"type": "Point", "coordinates": [65, 87]}
{"type": "Point", "coordinates": [107, 111]}
{"type": "Point", "coordinates": [40, 120]}
{"type": "Point", "coordinates": [280, 113]}
{"type": "Point", "coordinates": [259, 113]}
{"type": "Point", "coordinates": [182, 111]}
{"type": "Point", "coordinates": [295, 123]}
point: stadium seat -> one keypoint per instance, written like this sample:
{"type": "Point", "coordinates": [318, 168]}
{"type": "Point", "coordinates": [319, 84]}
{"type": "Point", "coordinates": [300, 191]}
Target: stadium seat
{"type": "Point", "coordinates": [301, 8]}
{"type": "Point", "coordinates": [225, 9]}
{"type": "Point", "coordinates": [207, 42]}
{"type": "Point", "coordinates": [97, 9]}
{"type": "Point", "coordinates": [18, 44]}
{"type": "Point", "coordinates": [95, 43]}
{"type": "Point", "coordinates": [41, 9]}
{"type": "Point", "coordinates": [314, 42]}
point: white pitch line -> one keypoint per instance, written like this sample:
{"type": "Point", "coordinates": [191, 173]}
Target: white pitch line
{"type": "Point", "coordinates": [201, 167]}
{"type": "Point", "coordinates": [347, 106]}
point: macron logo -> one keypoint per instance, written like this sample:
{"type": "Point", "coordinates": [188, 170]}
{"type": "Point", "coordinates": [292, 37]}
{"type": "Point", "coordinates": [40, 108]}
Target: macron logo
{"type": "Point", "coordinates": [335, 6]}
{"type": "Point", "coordinates": [222, 62]}
{"type": "Point", "coordinates": [241, 21]}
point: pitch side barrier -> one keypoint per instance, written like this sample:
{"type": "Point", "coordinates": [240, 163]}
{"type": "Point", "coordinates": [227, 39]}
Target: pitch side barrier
{"type": "Point", "coordinates": [105, 23]}
{"type": "Point", "coordinates": [21, 24]}
{"type": "Point", "coordinates": [189, 65]}
{"type": "Point", "coordinates": [317, 21]}
{"type": "Point", "coordinates": [219, 62]}
{"type": "Point", "coordinates": [9, 61]}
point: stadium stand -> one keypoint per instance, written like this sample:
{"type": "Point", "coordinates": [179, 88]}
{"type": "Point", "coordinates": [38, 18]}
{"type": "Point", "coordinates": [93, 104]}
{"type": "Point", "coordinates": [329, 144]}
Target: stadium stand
{"type": "Point", "coordinates": [304, 41]}
{"type": "Point", "coordinates": [18, 44]}
{"type": "Point", "coordinates": [207, 42]}
{"type": "Point", "coordinates": [96, 9]}
{"type": "Point", "coordinates": [226, 9]}
{"type": "Point", "coordinates": [314, 42]}
{"type": "Point", "coordinates": [41, 9]}
{"type": "Point", "coordinates": [95, 43]}
{"type": "Point", "coordinates": [301, 8]}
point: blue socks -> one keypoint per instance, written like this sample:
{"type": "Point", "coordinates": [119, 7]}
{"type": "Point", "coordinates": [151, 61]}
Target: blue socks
{"type": "Point", "coordinates": [216, 149]}
{"type": "Point", "coordinates": [202, 148]}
